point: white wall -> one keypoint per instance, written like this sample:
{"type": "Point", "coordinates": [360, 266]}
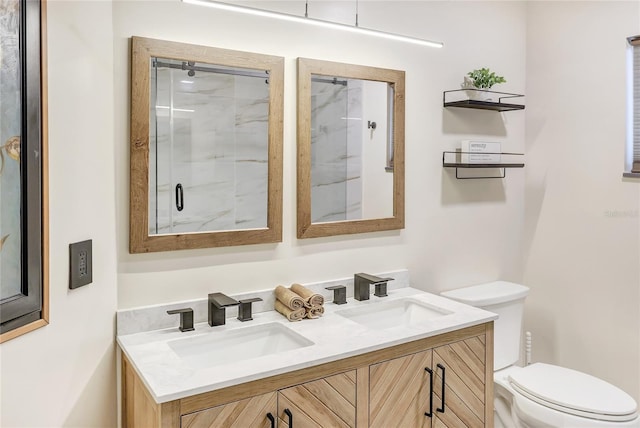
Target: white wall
{"type": "Point", "coordinates": [581, 243]}
{"type": "Point", "coordinates": [64, 374]}
{"type": "Point", "coordinates": [442, 245]}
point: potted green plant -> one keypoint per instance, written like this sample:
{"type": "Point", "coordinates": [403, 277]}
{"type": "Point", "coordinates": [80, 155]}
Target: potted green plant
{"type": "Point", "coordinates": [480, 80]}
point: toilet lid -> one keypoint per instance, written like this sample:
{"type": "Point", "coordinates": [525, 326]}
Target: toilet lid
{"type": "Point", "coordinates": [573, 392]}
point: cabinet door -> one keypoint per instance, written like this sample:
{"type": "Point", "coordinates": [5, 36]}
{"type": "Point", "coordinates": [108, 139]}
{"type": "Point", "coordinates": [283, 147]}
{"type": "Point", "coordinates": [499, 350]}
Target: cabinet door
{"type": "Point", "coordinates": [248, 413]}
{"type": "Point", "coordinates": [463, 366]}
{"type": "Point", "coordinates": [400, 392]}
{"type": "Point", "coordinates": [327, 402]}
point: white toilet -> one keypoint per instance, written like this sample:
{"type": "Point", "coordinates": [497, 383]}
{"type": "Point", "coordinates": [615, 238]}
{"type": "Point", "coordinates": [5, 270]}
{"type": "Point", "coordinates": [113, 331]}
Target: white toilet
{"type": "Point", "coordinates": [541, 395]}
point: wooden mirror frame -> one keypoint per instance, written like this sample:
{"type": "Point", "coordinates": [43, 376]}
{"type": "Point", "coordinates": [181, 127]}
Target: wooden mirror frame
{"type": "Point", "coordinates": [140, 241]}
{"type": "Point", "coordinates": [306, 68]}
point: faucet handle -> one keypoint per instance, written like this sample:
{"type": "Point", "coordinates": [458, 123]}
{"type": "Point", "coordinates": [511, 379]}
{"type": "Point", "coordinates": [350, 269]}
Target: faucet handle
{"type": "Point", "coordinates": [339, 294]}
{"type": "Point", "coordinates": [186, 318]}
{"type": "Point", "coordinates": [381, 289]}
{"type": "Point", "coordinates": [244, 310]}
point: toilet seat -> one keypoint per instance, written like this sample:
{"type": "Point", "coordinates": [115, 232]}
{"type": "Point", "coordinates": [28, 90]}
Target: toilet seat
{"type": "Point", "coordinates": [573, 392]}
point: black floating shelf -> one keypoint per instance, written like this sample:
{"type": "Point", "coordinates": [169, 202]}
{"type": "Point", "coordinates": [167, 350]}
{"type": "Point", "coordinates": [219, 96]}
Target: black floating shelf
{"type": "Point", "coordinates": [499, 105]}
{"type": "Point", "coordinates": [483, 165]}
{"type": "Point", "coordinates": [470, 165]}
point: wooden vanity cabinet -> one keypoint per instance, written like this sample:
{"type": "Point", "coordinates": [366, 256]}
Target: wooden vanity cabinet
{"type": "Point", "coordinates": [387, 388]}
{"type": "Point", "coordinates": [443, 387]}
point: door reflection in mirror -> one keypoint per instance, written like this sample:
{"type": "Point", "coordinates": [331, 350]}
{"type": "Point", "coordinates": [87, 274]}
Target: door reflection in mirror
{"type": "Point", "coordinates": [351, 159]}
{"type": "Point", "coordinates": [208, 152]}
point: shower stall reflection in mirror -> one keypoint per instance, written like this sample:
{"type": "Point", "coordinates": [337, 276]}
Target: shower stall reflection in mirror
{"type": "Point", "coordinates": [346, 149]}
{"type": "Point", "coordinates": [208, 148]}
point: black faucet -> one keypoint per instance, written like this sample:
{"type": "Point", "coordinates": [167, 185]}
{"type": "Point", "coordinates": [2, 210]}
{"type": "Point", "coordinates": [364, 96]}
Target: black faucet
{"type": "Point", "coordinates": [362, 283]}
{"type": "Point", "coordinates": [217, 303]}
{"type": "Point", "coordinates": [186, 318]}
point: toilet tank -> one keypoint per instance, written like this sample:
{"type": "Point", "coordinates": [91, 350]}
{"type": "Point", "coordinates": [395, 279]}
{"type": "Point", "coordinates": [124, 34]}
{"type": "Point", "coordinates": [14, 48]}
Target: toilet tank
{"type": "Point", "coordinates": [505, 299]}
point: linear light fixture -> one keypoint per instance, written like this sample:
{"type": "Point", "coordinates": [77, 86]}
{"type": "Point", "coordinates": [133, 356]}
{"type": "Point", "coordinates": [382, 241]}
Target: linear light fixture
{"type": "Point", "coordinates": [313, 21]}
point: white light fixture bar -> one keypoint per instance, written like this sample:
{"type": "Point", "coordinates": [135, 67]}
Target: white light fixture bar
{"type": "Point", "coordinates": [312, 21]}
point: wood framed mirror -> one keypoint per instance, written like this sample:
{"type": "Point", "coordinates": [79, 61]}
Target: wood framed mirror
{"type": "Point", "coordinates": [206, 147]}
{"type": "Point", "coordinates": [350, 149]}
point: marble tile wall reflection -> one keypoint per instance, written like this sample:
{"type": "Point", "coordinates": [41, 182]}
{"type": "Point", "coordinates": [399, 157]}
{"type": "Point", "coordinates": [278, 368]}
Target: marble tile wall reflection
{"type": "Point", "coordinates": [336, 152]}
{"type": "Point", "coordinates": [209, 133]}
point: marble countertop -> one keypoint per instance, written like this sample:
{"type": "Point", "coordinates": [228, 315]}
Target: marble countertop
{"type": "Point", "coordinates": [334, 337]}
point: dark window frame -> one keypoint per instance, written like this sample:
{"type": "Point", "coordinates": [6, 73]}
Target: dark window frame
{"type": "Point", "coordinates": [29, 309]}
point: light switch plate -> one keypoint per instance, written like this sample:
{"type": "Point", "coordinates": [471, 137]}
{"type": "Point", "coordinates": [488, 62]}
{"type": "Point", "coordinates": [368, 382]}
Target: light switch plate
{"type": "Point", "coordinates": [80, 264]}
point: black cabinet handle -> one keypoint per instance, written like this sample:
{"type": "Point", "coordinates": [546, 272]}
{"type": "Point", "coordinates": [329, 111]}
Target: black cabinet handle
{"type": "Point", "coordinates": [288, 413]}
{"type": "Point", "coordinates": [430, 412]}
{"type": "Point", "coordinates": [179, 197]}
{"type": "Point", "coordinates": [441, 409]}
{"type": "Point", "coordinates": [272, 420]}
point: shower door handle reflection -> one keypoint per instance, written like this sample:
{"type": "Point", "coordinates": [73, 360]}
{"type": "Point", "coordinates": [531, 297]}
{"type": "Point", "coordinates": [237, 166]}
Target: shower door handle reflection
{"type": "Point", "coordinates": [179, 197]}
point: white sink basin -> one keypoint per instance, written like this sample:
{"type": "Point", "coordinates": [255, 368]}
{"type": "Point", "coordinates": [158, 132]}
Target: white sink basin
{"type": "Point", "coordinates": [396, 313]}
{"type": "Point", "coordinates": [231, 346]}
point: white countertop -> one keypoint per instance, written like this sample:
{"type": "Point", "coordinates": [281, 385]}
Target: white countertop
{"type": "Point", "coordinates": [335, 337]}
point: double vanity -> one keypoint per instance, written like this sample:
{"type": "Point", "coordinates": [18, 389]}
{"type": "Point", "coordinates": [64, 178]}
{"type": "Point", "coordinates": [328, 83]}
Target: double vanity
{"type": "Point", "coordinates": [206, 171]}
{"type": "Point", "coordinates": [410, 359]}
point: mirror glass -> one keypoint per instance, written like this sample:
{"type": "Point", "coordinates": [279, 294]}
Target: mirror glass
{"type": "Point", "coordinates": [206, 159]}
{"type": "Point", "coordinates": [208, 147]}
{"type": "Point", "coordinates": [350, 148]}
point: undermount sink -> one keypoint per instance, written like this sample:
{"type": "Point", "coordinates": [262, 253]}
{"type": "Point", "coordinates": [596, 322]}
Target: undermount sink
{"type": "Point", "coordinates": [396, 313]}
{"type": "Point", "coordinates": [245, 343]}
